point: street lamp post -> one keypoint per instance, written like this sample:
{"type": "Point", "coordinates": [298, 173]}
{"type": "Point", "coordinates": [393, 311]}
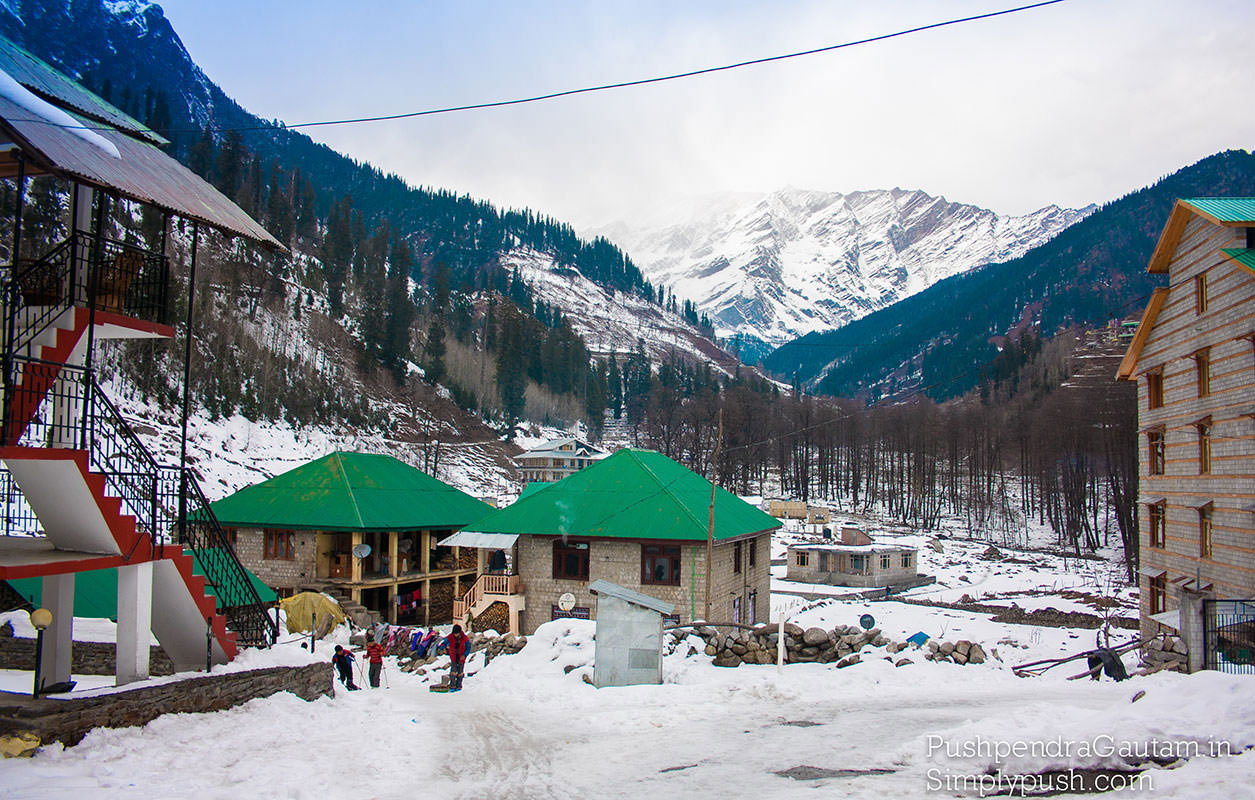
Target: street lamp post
{"type": "Point", "coordinates": [41, 618]}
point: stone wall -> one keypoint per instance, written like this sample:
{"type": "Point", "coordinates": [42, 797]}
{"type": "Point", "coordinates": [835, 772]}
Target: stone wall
{"type": "Point", "coordinates": [69, 720]}
{"type": "Point", "coordinates": [619, 561]}
{"type": "Point", "coordinates": [86, 658]}
{"type": "Point", "coordinates": [279, 573]}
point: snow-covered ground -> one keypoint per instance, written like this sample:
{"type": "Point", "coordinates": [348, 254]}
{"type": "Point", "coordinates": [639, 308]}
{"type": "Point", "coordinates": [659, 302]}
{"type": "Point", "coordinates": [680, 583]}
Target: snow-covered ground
{"type": "Point", "coordinates": [524, 727]}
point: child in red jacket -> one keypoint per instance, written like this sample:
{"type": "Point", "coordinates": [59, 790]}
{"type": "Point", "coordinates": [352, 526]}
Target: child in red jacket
{"type": "Point", "coordinates": [374, 654]}
{"type": "Point", "coordinates": [458, 645]}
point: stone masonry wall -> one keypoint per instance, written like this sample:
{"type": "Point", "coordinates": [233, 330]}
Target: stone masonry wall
{"type": "Point", "coordinates": [86, 658]}
{"type": "Point", "coordinates": [619, 561]}
{"type": "Point", "coordinates": [250, 547]}
{"type": "Point", "coordinates": [68, 721]}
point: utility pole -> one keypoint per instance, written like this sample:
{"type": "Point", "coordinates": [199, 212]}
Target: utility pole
{"type": "Point", "coordinates": [710, 524]}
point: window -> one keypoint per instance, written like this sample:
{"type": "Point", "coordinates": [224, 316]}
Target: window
{"type": "Point", "coordinates": [1158, 593]}
{"type": "Point", "coordinates": [230, 534]}
{"type": "Point", "coordinates": [1155, 452]}
{"type": "Point", "coordinates": [753, 552]}
{"type": "Point", "coordinates": [1157, 519]}
{"type": "Point", "coordinates": [802, 559]}
{"type": "Point", "coordinates": [1204, 531]}
{"type": "Point", "coordinates": [570, 560]}
{"type": "Point", "coordinates": [753, 603]}
{"type": "Point", "coordinates": [660, 565]}
{"type": "Point", "coordinates": [884, 562]}
{"type": "Point", "coordinates": [1200, 293]}
{"type": "Point", "coordinates": [279, 545]}
{"type": "Point", "coordinates": [1202, 372]}
{"type": "Point", "coordinates": [906, 561]}
{"type": "Point", "coordinates": [1203, 426]}
{"type": "Point", "coordinates": [736, 610]}
{"type": "Point", "coordinates": [858, 563]}
{"type": "Point", "coordinates": [736, 557]}
{"type": "Point", "coordinates": [1154, 390]}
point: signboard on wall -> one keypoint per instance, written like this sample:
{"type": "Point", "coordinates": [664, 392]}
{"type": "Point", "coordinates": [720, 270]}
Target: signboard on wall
{"type": "Point", "coordinates": [576, 612]}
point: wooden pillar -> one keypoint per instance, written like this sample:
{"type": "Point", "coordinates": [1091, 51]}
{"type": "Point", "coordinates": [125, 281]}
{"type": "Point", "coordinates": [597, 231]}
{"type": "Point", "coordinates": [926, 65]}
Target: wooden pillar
{"type": "Point", "coordinates": [392, 604]}
{"type": "Point", "coordinates": [457, 578]}
{"type": "Point", "coordinates": [393, 563]}
{"type": "Point", "coordinates": [425, 556]}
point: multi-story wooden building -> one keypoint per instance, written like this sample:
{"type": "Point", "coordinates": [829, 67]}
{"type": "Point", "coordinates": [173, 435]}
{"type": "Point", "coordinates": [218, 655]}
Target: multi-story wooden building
{"type": "Point", "coordinates": [1193, 357]}
{"type": "Point", "coordinates": [636, 519]}
{"type": "Point", "coordinates": [557, 458]}
{"type": "Point", "coordinates": [361, 525]}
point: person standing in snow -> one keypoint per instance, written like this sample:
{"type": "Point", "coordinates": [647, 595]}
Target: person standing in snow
{"type": "Point", "coordinates": [458, 644]}
{"type": "Point", "coordinates": [343, 661]}
{"type": "Point", "coordinates": [374, 653]}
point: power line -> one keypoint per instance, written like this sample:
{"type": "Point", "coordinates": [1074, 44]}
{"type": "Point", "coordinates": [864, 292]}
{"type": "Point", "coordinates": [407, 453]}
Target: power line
{"type": "Point", "coordinates": [622, 84]}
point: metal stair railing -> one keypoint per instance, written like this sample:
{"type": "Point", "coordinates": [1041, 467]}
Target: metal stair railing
{"type": "Point", "coordinates": [121, 277]}
{"type": "Point", "coordinates": [65, 408]}
{"type": "Point", "coordinates": [200, 530]}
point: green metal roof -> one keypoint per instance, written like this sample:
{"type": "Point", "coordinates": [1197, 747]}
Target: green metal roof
{"type": "Point", "coordinates": [1225, 209]}
{"type": "Point", "coordinates": [350, 492]}
{"type": "Point", "coordinates": [633, 494]}
{"type": "Point", "coordinates": [1242, 256]}
{"type": "Point", "coordinates": [96, 592]}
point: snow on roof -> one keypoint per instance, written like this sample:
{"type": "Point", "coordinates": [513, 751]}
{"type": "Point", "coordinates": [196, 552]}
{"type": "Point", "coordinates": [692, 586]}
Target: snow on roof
{"type": "Point", "coordinates": [554, 447]}
{"type": "Point", "coordinates": [50, 114]}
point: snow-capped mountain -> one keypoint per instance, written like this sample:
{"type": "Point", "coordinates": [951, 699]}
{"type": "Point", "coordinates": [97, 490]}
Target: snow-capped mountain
{"type": "Point", "coordinates": [769, 268]}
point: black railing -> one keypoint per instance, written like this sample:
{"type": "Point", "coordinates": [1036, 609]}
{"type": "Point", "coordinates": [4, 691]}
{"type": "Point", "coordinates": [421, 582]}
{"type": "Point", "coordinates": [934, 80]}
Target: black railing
{"type": "Point", "coordinates": [237, 597]}
{"type": "Point", "coordinates": [84, 271]}
{"type": "Point", "coordinates": [19, 518]}
{"type": "Point", "coordinates": [60, 406]}
{"type": "Point", "coordinates": [1229, 635]}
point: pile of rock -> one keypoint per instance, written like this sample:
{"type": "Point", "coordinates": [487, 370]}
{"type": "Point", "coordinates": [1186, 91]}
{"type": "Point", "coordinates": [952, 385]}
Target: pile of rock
{"type": "Point", "coordinates": [842, 645]}
{"type": "Point", "coordinates": [492, 644]}
{"type": "Point", "coordinates": [1166, 652]}
{"type": "Point", "coordinates": [960, 652]}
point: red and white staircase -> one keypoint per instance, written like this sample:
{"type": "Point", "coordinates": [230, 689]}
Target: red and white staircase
{"type": "Point", "coordinates": [92, 496]}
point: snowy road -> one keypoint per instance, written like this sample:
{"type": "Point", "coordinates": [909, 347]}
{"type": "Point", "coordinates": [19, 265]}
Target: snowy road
{"type": "Point", "coordinates": [524, 729]}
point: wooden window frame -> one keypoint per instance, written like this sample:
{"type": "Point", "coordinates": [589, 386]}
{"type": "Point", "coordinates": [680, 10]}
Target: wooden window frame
{"type": "Point", "coordinates": [1200, 293]}
{"type": "Point", "coordinates": [1205, 531]}
{"type": "Point", "coordinates": [1203, 427]}
{"type": "Point", "coordinates": [1154, 389]}
{"type": "Point", "coordinates": [1158, 592]}
{"type": "Point", "coordinates": [906, 561]}
{"type": "Point", "coordinates": [1202, 371]}
{"type": "Point", "coordinates": [736, 558]}
{"type": "Point", "coordinates": [1157, 523]}
{"type": "Point", "coordinates": [801, 558]}
{"type": "Point", "coordinates": [1156, 452]}
{"type": "Point", "coordinates": [753, 553]}
{"type": "Point", "coordinates": [581, 549]}
{"type": "Point", "coordinates": [279, 546]}
{"type": "Point", "coordinates": [664, 555]}
{"type": "Point", "coordinates": [886, 562]}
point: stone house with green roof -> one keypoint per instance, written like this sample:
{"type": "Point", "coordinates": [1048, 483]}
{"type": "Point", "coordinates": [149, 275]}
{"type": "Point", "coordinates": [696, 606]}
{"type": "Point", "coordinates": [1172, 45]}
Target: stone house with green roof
{"type": "Point", "coordinates": [299, 530]}
{"type": "Point", "coordinates": [637, 519]}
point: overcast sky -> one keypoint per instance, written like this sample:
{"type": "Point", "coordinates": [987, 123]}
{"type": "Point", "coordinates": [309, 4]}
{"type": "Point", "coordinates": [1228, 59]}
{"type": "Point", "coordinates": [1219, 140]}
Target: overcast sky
{"type": "Point", "coordinates": [1073, 103]}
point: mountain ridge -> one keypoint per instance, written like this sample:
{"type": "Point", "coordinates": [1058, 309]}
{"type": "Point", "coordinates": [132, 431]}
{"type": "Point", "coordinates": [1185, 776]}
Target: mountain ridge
{"type": "Point", "coordinates": [773, 266]}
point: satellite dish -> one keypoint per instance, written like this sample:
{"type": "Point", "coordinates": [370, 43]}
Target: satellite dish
{"type": "Point", "coordinates": [361, 550]}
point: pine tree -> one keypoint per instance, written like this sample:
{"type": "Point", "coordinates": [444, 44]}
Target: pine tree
{"type": "Point", "coordinates": [202, 155]}
{"type": "Point", "coordinates": [400, 315]}
{"type": "Point", "coordinates": [229, 166]}
{"type": "Point", "coordinates": [433, 352]}
{"type": "Point", "coordinates": [614, 387]}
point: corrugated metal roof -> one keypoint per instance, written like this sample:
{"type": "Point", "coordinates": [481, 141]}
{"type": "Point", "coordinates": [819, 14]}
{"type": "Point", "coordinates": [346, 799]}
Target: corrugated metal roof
{"type": "Point", "coordinates": [142, 173]}
{"type": "Point", "coordinates": [633, 494]}
{"type": "Point", "coordinates": [1243, 256]}
{"type": "Point", "coordinates": [350, 492]}
{"type": "Point", "coordinates": [487, 541]}
{"type": "Point", "coordinates": [628, 596]}
{"type": "Point", "coordinates": [60, 90]}
{"type": "Point", "coordinates": [1231, 210]}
